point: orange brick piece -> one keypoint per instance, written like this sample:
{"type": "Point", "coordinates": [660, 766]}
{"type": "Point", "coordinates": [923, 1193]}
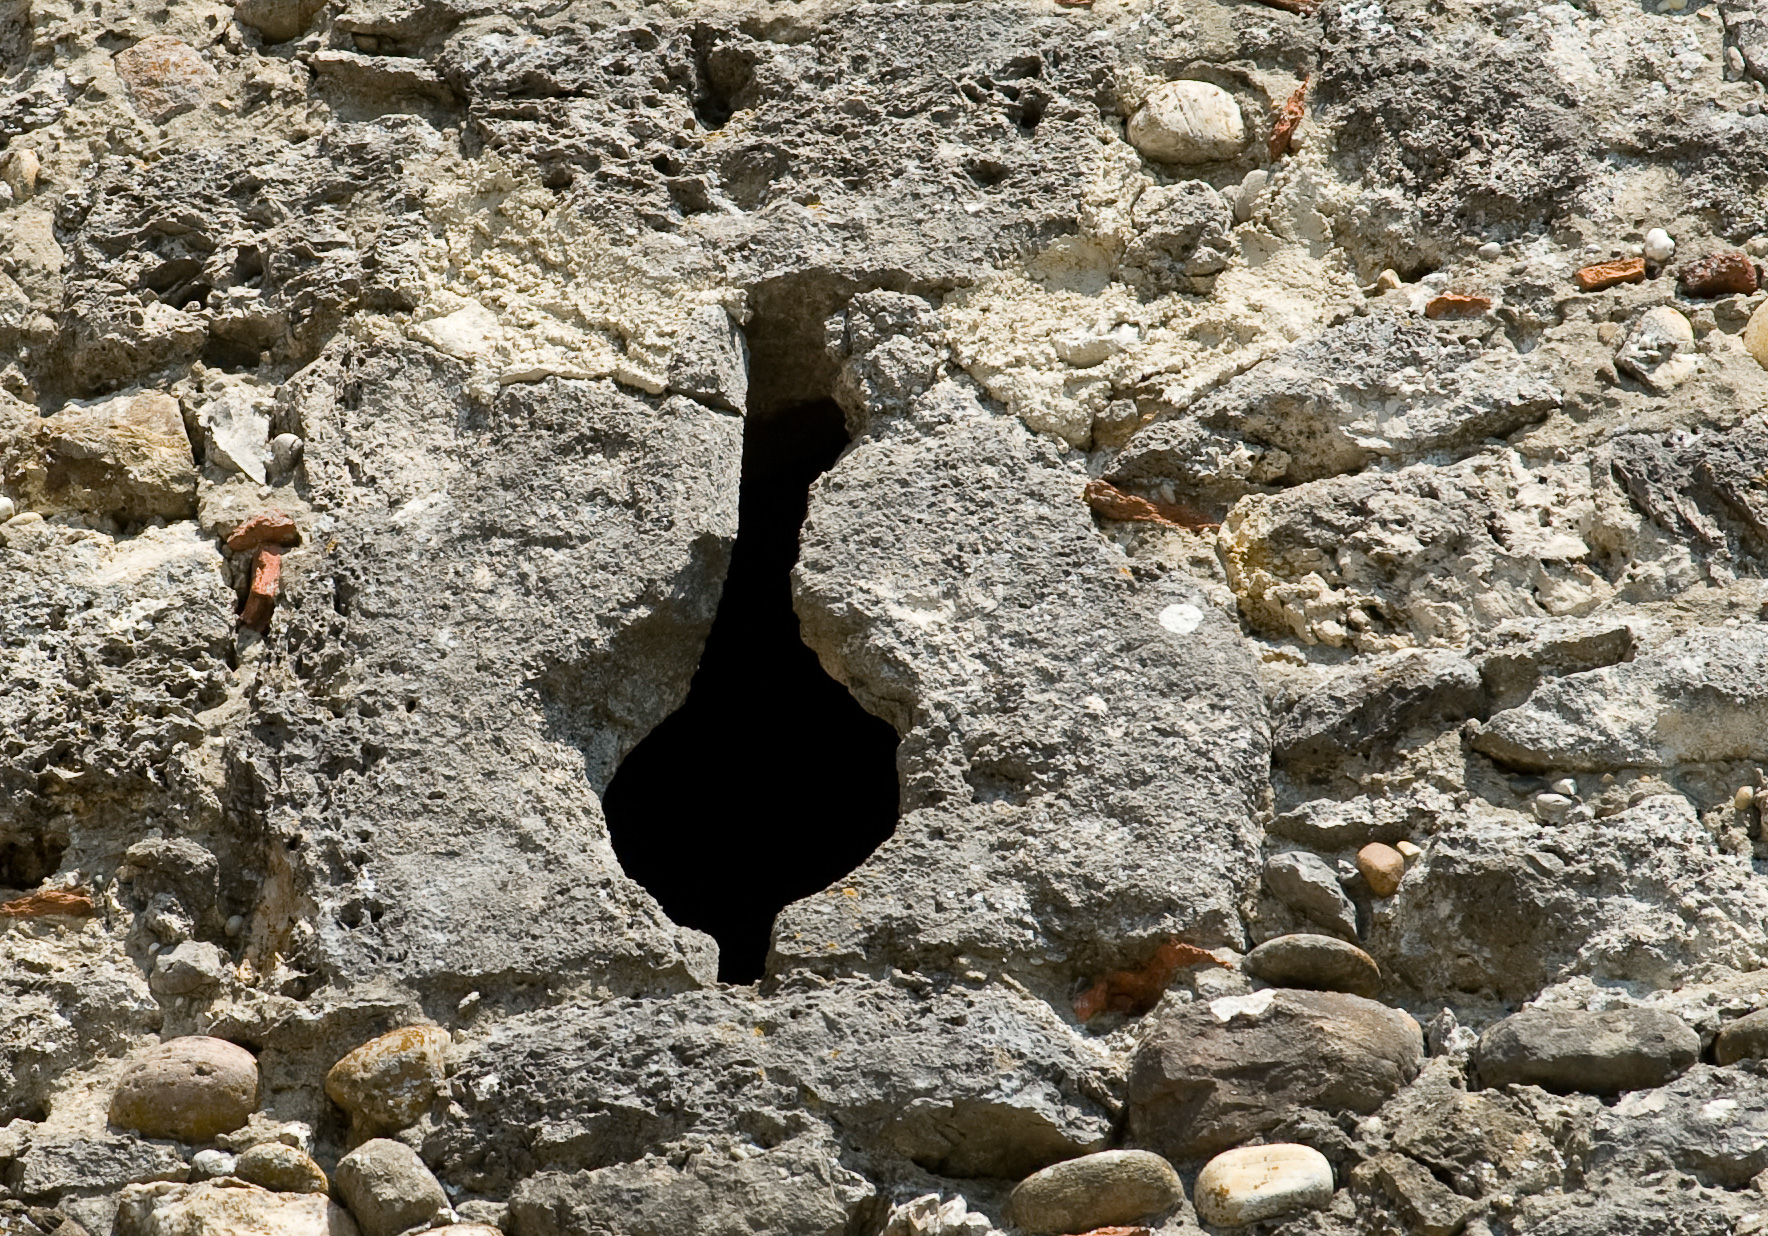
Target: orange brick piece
{"type": "Point", "coordinates": [1722, 274]}
{"type": "Point", "coordinates": [51, 902]}
{"type": "Point", "coordinates": [261, 600]}
{"type": "Point", "coordinates": [1288, 121]}
{"type": "Point", "coordinates": [1136, 991]}
{"type": "Point", "coordinates": [270, 528]}
{"type": "Point", "coordinates": [1113, 503]}
{"type": "Point", "coordinates": [1457, 305]}
{"type": "Point", "coordinates": [1607, 274]}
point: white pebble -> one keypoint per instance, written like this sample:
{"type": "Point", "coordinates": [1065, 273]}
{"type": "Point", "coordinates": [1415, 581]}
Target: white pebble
{"type": "Point", "coordinates": [1181, 619]}
{"type": "Point", "coordinates": [1553, 808]}
{"type": "Point", "coordinates": [1745, 797]}
{"type": "Point", "coordinates": [1188, 122]}
{"type": "Point", "coordinates": [1408, 850]}
{"type": "Point", "coordinates": [285, 449]}
{"type": "Point", "coordinates": [1490, 250]}
{"type": "Point", "coordinates": [1658, 246]}
{"type": "Point", "coordinates": [1252, 187]}
{"type": "Point", "coordinates": [1566, 786]}
{"type": "Point", "coordinates": [1262, 1182]}
{"type": "Point", "coordinates": [7, 509]}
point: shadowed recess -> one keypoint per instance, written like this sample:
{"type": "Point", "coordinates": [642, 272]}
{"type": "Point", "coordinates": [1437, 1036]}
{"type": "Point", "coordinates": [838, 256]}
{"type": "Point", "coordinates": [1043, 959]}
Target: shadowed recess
{"type": "Point", "coordinates": [770, 782]}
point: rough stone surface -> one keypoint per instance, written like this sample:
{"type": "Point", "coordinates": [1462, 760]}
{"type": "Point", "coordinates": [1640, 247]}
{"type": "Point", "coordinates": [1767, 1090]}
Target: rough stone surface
{"type": "Point", "coordinates": [189, 1088]}
{"type": "Point", "coordinates": [1596, 1053]}
{"type": "Point", "coordinates": [1306, 884]}
{"type": "Point", "coordinates": [283, 1169]}
{"type": "Point", "coordinates": [388, 1188]}
{"type": "Point", "coordinates": [1217, 1073]}
{"type": "Point", "coordinates": [1743, 1039]}
{"type": "Point", "coordinates": [390, 1080]}
{"type": "Point", "coordinates": [1113, 1187]}
{"type": "Point", "coordinates": [1365, 481]}
{"type": "Point", "coordinates": [228, 1209]}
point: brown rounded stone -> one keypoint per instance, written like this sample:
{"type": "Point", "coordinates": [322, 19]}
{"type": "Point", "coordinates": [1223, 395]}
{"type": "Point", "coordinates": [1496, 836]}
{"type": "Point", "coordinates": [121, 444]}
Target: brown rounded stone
{"type": "Point", "coordinates": [1106, 1189]}
{"type": "Point", "coordinates": [1318, 963]}
{"type": "Point", "coordinates": [389, 1081]}
{"type": "Point", "coordinates": [1743, 1039]}
{"type": "Point", "coordinates": [282, 1168]}
{"type": "Point", "coordinates": [190, 1089]}
{"type": "Point", "coordinates": [1382, 866]}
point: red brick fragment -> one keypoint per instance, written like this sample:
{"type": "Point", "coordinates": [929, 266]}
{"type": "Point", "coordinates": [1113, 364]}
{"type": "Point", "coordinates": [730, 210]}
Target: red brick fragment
{"type": "Point", "coordinates": [1113, 503]}
{"type": "Point", "coordinates": [1457, 305]}
{"type": "Point", "coordinates": [1288, 121]}
{"type": "Point", "coordinates": [1607, 274]}
{"type": "Point", "coordinates": [51, 903]}
{"type": "Point", "coordinates": [269, 528]}
{"type": "Point", "coordinates": [1136, 991]}
{"type": "Point", "coordinates": [1721, 274]}
{"type": "Point", "coordinates": [261, 600]}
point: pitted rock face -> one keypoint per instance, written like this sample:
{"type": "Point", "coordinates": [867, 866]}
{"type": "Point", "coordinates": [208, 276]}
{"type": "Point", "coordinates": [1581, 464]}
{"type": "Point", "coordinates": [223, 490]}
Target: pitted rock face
{"type": "Point", "coordinates": [1304, 519]}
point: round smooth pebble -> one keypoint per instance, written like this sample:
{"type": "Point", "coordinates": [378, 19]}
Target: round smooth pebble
{"type": "Point", "coordinates": [8, 509]}
{"type": "Point", "coordinates": [1181, 619]}
{"type": "Point", "coordinates": [1566, 786]}
{"type": "Point", "coordinates": [1262, 1182]}
{"type": "Point", "coordinates": [1108, 1189]}
{"type": "Point", "coordinates": [1745, 797]}
{"type": "Point", "coordinates": [283, 1169]}
{"type": "Point", "coordinates": [1252, 186]}
{"type": "Point", "coordinates": [1755, 335]}
{"type": "Point", "coordinates": [1188, 122]}
{"type": "Point", "coordinates": [189, 1089]}
{"type": "Point", "coordinates": [1314, 962]}
{"type": "Point", "coordinates": [1382, 867]}
{"type": "Point", "coordinates": [388, 1188]}
{"type": "Point", "coordinates": [1408, 850]}
{"type": "Point", "coordinates": [285, 451]}
{"type": "Point", "coordinates": [1743, 1039]}
{"type": "Point", "coordinates": [390, 1081]}
{"type": "Point", "coordinates": [1658, 246]}
{"type": "Point", "coordinates": [1552, 808]}
{"type": "Point", "coordinates": [1490, 250]}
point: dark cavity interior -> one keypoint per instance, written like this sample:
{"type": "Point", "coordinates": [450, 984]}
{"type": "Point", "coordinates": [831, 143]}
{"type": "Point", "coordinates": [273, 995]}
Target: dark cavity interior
{"type": "Point", "coordinates": [770, 782]}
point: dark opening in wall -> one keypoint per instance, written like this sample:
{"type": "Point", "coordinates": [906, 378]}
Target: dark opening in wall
{"type": "Point", "coordinates": [770, 782]}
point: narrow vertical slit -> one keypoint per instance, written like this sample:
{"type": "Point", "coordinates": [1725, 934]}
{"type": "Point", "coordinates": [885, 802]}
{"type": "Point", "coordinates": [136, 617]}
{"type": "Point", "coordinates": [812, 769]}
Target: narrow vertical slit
{"type": "Point", "coordinates": [770, 782]}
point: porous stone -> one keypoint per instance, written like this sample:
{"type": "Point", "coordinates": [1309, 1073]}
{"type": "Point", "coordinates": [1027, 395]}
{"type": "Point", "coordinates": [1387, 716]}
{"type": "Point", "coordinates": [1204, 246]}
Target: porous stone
{"type": "Point", "coordinates": [1213, 1074]}
{"type": "Point", "coordinates": [390, 1081]}
{"type": "Point", "coordinates": [1657, 350]}
{"type": "Point", "coordinates": [126, 456]}
{"type": "Point", "coordinates": [228, 1209]}
{"type": "Point", "coordinates": [189, 1089]}
{"type": "Point", "coordinates": [1188, 122]}
{"type": "Point", "coordinates": [1375, 702]}
{"type": "Point", "coordinates": [277, 20]}
{"type": "Point", "coordinates": [283, 1169]}
{"type": "Point", "coordinates": [1746, 1038]}
{"type": "Point", "coordinates": [388, 1188]}
{"type": "Point", "coordinates": [166, 76]}
{"type": "Point", "coordinates": [1253, 1183]}
{"type": "Point", "coordinates": [1319, 963]}
{"type": "Point", "coordinates": [1305, 883]}
{"type": "Point", "coordinates": [192, 968]}
{"type": "Point", "coordinates": [1596, 1053]}
{"type": "Point", "coordinates": [1113, 1187]}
